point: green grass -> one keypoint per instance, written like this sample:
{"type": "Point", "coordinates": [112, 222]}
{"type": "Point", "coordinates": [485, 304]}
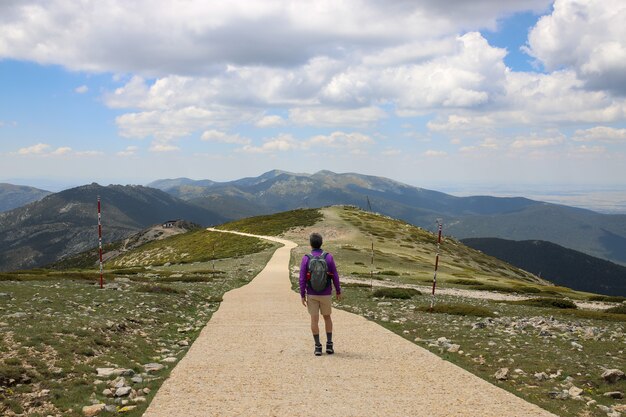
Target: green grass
{"type": "Point", "coordinates": [159, 289]}
{"type": "Point", "coordinates": [195, 246]}
{"type": "Point", "coordinates": [275, 224]}
{"type": "Point", "coordinates": [399, 293]}
{"type": "Point", "coordinates": [71, 327]}
{"type": "Point", "coordinates": [458, 310]}
{"type": "Point", "coordinates": [607, 298]}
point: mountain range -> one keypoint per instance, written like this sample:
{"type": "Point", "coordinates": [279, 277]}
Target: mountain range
{"type": "Point", "coordinates": [13, 196]}
{"type": "Point", "coordinates": [63, 223]}
{"type": "Point", "coordinates": [516, 218]}
{"type": "Point", "coordinates": [557, 264]}
{"type": "Point", "coordinates": [66, 223]}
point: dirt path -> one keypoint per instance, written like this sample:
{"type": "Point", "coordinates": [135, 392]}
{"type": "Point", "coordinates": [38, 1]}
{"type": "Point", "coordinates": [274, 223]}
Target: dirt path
{"type": "Point", "coordinates": [255, 358]}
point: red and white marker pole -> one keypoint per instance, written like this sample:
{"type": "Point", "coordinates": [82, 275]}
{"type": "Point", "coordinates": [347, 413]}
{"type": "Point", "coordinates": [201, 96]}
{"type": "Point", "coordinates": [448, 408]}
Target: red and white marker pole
{"type": "Point", "coordinates": [100, 242]}
{"type": "Point", "coordinates": [432, 300]}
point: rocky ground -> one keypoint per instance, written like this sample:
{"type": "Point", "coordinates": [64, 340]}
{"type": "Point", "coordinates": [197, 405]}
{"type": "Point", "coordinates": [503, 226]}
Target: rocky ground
{"type": "Point", "coordinates": [569, 365]}
{"type": "Point", "coordinates": [69, 348]}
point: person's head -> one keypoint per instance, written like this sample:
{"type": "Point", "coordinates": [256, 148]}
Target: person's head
{"type": "Point", "coordinates": [316, 240]}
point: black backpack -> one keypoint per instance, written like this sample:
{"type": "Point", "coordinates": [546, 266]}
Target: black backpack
{"type": "Point", "coordinates": [317, 272]}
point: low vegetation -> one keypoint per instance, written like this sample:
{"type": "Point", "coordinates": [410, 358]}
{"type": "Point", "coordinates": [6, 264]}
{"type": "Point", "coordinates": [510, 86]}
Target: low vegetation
{"type": "Point", "coordinates": [275, 224]}
{"type": "Point", "coordinates": [399, 293]}
{"type": "Point", "coordinates": [458, 310]}
{"type": "Point", "coordinates": [547, 302]}
{"type": "Point", "coordinates": [58, 327]}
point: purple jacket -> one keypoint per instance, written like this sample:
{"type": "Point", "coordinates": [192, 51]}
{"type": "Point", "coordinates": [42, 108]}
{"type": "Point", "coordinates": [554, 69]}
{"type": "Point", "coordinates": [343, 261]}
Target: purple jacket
{"type": "Point", "coordinates": [332, 268]}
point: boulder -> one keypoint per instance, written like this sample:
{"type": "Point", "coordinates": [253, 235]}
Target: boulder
{"type": "Point", "coordinates": [502, 374]}
{"type": "Point", "coordinates": [153, 367]}
{"type": "Point", "coordinates": [575, 391]}
{"type": "Point", "coordinates": [123, 391]}
{"type": "Point", "coordinates": [612, 375]}
{"type": "Point", "coordinates": [93, 410]}
{"type": "Point", "coordinates": [616, 395]}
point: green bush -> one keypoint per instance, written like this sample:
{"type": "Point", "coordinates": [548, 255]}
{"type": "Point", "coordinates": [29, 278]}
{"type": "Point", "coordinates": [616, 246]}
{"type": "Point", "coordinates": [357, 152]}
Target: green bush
{"type": "Point", "coordinates": [463, 281]}
{"type": "Point", "coordinates": [621, 309]}
{"type": "Point", "coordinates": [607, 298]}
{"type": "Point", "coordinates": [390, 273]}
{"type": "Point", "coordinates": [160, 289]}
{"type": "Point", "coordinates": [400, 293]}
{"type": "Point", "coordinates": [355, 285]}
{"type": "Point", "coordinates": [458, 310]}
{"type": "Point", "coordinates": [548, 302]}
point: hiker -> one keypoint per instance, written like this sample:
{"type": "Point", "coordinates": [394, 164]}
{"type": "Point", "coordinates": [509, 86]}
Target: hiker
{"type": "Point", "coordinates": [318, 274]}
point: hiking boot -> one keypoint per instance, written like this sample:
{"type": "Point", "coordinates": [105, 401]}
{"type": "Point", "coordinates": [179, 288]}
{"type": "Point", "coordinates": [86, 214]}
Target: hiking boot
{"type": "Point", "coordinates": [329, 348]}
{"type": "Point", "coordinates": [318, 350]}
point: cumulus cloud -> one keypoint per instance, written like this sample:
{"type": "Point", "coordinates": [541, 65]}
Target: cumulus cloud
{"type": "Point", "coordinates": [218, 136]}
{"type": "Point", "coordinates": [163, 147]}
{"type": "Point", "coordinates": [64, 150]}
{"type": "Point", "coordinates": [327, 116]}
{"type": "Point", "coordinates": [281, 143]}
{"type": "Point", "coordinates": [588, 36]}
{"type": "Point", "coordinates": [536, 141]}
{"type": "Point", "coordinates": [600, 134]}
{"type": "Point", "coordinates": [270, 121]}
{"type": "Point", "coordinates": [38, 149]}
{"type": "Point", "coordinates": [129, 151]}
{"type": "Point", "coordinates": [434, 153]}
{"type": "Point", "coordinates": [197, 37]}
{"type": "Point", "coordinates": [82, 89]}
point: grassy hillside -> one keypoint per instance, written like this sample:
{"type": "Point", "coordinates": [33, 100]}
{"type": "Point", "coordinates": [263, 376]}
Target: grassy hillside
{"type": "Point", "coordinates": [58, 327]}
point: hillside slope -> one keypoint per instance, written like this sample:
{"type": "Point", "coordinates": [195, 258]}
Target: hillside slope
{"type": "Point", "coordinates": [558, 264]}
{"type": "Point", "coordinates": [13, 196]}
{"type": "Point", "coordinates": [596, 234]}
{"type": "Point", "coordinates": [65, 223]}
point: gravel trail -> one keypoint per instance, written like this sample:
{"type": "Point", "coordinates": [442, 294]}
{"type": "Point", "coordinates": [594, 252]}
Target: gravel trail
{"type": "Point", "coordinates": [255, 358]}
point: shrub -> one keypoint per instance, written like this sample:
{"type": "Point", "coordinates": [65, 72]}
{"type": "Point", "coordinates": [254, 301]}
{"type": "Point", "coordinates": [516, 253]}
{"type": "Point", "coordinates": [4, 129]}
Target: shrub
{"type": "Point", "coordinates": [458, 310]}
{"type": "Point", "coordinates": [159, 289]}
{"type": "Point", "coordinates": [390, 273]}
{"type": "Point", "coordinates": [607, 298]}
{"type": "Point", "coordinates": [621, 309]}
{"type": "Point", "coordinates": [462, 281]}
{"type": "Point", "coordinates": [400, 293]}
{"type": "Point", "coordinates": [355, 285]}
{"type": "Point", "coordinates": [548, 302]}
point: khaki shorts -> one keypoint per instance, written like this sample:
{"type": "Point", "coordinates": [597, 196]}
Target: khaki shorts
{"type": "Point", "coordinates": [319, 303]}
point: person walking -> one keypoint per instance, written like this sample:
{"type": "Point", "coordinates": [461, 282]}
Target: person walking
{"type": "Point", "coordinates": [318, 275]}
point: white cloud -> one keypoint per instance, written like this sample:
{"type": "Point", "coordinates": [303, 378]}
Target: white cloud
{"type": "Point", "coordinates": [536, 141]}
{"type": "Point", "coordinates": [163, 147]}
{"type": "Point", "coordinates": [588, 36]}
{"type": "Point", "coordinates": [435, 154]}
{"type": "Point", "coordinates": [89, 153]}
{"type": "Point", "coordinates": [360, 117]}
{"type": "Point", "coordinates": [82, 89]}
{"type": "Point", "coordinates": [129, 151]}
{"type": "Point", "coordinates": [198, 37]}
{"type": "Point", "coordinates": [353, 140]}
{"type": "Point", "coordinates": [280, 143]}
{"type": "Point", "coordinates": [37, 149]}
{"type": "Point", "coordinates": [64, 150]}
{"type": "Point", "coordinates": [270, 121]}
{"type": "Point", "coordinates": [600, 134]}
{"type": "Point", "coordinates": [217, 136]}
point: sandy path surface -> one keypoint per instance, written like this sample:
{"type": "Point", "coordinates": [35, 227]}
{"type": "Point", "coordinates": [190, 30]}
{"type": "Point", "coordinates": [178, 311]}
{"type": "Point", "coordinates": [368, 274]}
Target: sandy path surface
{"type": "Point", "coordinates": [255, 358]}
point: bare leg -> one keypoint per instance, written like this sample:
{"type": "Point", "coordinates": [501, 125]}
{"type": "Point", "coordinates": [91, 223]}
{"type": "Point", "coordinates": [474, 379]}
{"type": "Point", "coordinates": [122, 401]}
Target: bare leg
{"type": "Point", "coordinates": [315, 328]}
{"type": "Point", "coordinates": [328, 322]}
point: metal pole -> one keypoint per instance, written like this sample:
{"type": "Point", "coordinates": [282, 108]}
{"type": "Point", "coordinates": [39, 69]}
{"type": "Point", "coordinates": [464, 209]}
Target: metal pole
{"type": "Point", "coordinates": [372, 269]}
{"type": "Point", "coordinates": [100, 242]}
{"type": "Point", "coordinates": [432, 300]}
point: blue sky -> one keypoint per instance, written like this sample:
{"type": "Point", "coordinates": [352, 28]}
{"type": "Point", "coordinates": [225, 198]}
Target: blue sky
{"type": "Point", "coordinates": [438, 93]}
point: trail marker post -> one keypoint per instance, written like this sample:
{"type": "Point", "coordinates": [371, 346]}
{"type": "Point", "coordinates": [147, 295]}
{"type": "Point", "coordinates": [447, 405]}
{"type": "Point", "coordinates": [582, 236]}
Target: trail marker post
{"type": "Point", "coordinates": [440, 226]}
{"type": "Point", "coordinates": [372, 269]}
{"type": "Point", "coordinates": [100, 243]}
